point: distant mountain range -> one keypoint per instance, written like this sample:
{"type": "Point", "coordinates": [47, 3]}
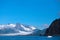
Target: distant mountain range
{"type": "Point", "coordinates": [28, 30]}
{"type": "Point", "coordinates": [18, 29]}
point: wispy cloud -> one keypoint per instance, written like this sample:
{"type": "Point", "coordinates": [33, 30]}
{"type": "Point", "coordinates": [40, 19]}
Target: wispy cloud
{"type": "Point", "coordinates": [44, 26]}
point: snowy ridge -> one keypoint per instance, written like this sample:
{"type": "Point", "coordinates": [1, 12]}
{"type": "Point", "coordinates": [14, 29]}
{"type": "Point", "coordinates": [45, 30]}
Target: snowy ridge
{"type": "Point", "coordinates": [16, 29]}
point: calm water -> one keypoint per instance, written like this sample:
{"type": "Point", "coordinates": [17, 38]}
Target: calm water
{"type": "Point", "coordinates": [29, 38]}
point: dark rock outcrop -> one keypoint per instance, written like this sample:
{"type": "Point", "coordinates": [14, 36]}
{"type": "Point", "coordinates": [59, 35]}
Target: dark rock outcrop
{"type": "Point", "coordinates": [54, 28]}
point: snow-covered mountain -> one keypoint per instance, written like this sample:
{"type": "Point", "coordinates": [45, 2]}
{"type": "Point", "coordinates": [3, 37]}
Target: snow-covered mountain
{"type": "Point", "coordinates": [18, 29]}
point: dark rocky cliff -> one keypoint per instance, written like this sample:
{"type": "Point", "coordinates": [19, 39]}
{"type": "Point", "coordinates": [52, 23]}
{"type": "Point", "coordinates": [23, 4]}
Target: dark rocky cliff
{"type": "Point", "coordinates": [54, 28]}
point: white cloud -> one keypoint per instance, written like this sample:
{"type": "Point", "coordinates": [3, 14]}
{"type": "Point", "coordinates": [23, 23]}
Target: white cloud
{"type": "Point", "coordinates": [44, 26]}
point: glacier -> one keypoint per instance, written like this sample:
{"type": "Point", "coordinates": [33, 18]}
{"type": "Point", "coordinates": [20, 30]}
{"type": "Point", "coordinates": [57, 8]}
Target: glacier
{"type": "Point", "coordinates": [17, 29]}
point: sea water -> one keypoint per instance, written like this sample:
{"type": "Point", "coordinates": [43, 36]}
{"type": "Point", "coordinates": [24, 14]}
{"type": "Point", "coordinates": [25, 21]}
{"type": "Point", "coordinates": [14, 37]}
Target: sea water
{"type": "Point", "coordinates": [29, 38]}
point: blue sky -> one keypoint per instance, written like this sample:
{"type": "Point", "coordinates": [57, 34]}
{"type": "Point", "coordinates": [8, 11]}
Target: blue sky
{"type": "Point", "coordinates": [31, 12]}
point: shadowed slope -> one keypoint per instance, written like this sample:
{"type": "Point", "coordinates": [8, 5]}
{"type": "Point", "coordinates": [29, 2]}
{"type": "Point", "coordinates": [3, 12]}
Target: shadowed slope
{"type": "Point", "coordinates": [54, 28]}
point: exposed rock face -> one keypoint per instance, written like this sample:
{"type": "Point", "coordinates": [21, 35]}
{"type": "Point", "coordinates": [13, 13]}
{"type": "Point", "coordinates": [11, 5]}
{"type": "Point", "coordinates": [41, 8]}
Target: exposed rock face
{"type": "Point", "coordinates": [54, 28]}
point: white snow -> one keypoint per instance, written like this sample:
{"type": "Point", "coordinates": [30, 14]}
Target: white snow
{"type": "Point", "coordinates": [33, 28]}
{"type": "Point", "coordinates": [11, 25]}
{"type": "Point", "coordinates": [27, 31]}
{"type": "Point", "coordinates": [14, 34]}
{"type": "Point", "coordinates": [19, 33]}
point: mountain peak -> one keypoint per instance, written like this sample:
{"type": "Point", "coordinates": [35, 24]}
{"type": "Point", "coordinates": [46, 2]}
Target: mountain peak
{"type": "Point", "coordinates": [17, 29]}
{"type": "Point", "coordinates": [54, 28]}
